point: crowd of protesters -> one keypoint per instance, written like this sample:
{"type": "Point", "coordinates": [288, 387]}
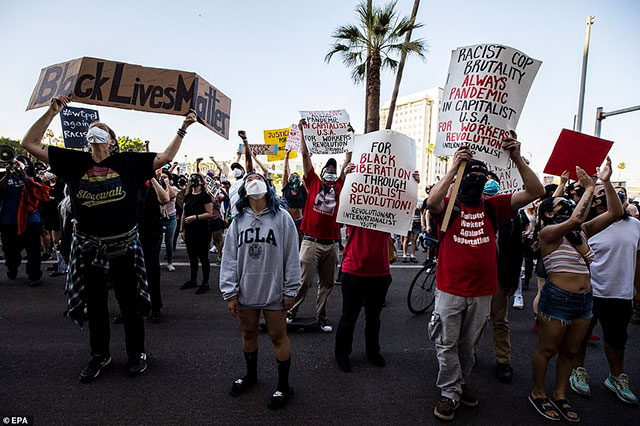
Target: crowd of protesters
{"type": "Point", "coordinates": [580, 240]}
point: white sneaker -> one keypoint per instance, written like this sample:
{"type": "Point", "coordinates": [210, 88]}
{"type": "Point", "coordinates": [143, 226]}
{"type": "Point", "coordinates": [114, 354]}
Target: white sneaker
{"type": "Point", "coordinates": [213, 249]}
{"type": "Point", "coordinates": [325, 326]}
{"type": "Point", "coordinates": [518, 301]}
{"type": "Point", "coordinates": [170, 267]}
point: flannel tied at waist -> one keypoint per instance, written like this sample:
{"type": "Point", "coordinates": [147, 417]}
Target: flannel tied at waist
{"type": "Point", "coordinates": [88, 252]}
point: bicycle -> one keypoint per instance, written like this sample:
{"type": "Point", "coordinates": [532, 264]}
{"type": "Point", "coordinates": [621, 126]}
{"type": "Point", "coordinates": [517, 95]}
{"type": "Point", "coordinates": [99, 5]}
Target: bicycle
{"type": "Point", "coordinates": [421, 293]}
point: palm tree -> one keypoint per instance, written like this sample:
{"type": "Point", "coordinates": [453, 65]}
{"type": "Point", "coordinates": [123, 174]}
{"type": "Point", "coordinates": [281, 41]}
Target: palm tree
{"type": "Point", "coordinates": [379, 33]}
{"type": "Point", "coordinates": [621, 167]}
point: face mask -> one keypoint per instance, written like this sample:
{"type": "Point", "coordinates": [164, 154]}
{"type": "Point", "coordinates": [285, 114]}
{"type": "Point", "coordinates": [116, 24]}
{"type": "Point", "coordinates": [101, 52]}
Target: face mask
{"type": "Point", "coordinates": [256, 189]}
{"type": "Point", "coordinates": [294, 184]}
{"type": "Point", "coordinates": [329, 177]}
{"type": "Point", "coordinates": [97, 135]}
{"type": "Point", "coordinates": [622, 197]}
{"type": "Point", "coordinates": [237, 173]}
{"type": "Point", "coordinates": [564, 213]}
{"type": "Point", "coordinates": [194, 182]}
{"type": "Point", "coordinates": [471, 189]}
{"type": "Point", "coordinates": [491, 188]}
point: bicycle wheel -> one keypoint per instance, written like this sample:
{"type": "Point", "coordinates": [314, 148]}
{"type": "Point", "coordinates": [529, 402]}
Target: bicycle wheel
{"type": "Point", "coordinates": [421, 291]}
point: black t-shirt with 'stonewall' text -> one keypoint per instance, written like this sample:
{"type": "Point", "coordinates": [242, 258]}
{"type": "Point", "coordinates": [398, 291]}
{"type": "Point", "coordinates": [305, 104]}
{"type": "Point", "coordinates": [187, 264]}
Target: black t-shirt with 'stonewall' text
{"type": "Point", "coordinates": [104, 196]}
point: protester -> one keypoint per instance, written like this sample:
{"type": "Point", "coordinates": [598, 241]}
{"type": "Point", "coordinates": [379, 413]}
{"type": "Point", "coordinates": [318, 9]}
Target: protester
{"type": "Point", "coordinates": [102, 186]}
{"type": "Point", "coordinates": [182, 191]}
{"type": "Point", "coordinates": [565, 306]}
{"type": "Point", "coordinates": [467, 269]}
{"type": "Point", "coordinates": [614, 278]}
{"type": "Point", "coordinates": [295, 194]}
{"type": "Point", "coordinates": [216, 224]}
{"type": "Point", "coordinates": [414, 232]}
{"type": "Point", "coordinates": [20, 226]}
{"type": "Point", "coordinates": [238, 173]}
{"type": "Point", "coordinates": [260, 271]}
{"type": "Point", "coordinates": [194, 228]}
{"type": "Point", "coordinates": [168, 212]}
{"type": "Point", "coordinates": [318, 251]}
{"type": "Point", "coordinates": [51, 217]}
{"type": "Point", "coordinates": [366, 277]}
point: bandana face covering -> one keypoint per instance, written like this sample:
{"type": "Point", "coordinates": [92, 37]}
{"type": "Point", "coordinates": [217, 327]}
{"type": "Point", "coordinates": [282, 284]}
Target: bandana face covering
{"type": "Point", "coordinates": [471, 189]}
{"type": "Point", "coordinates": [97, 135]}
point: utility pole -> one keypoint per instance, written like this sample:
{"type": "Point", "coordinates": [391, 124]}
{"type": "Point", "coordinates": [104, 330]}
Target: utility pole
{"type": "Point", "coordinates": [583, 79]}
{"type": "Point", "coordinates": [601, 115]}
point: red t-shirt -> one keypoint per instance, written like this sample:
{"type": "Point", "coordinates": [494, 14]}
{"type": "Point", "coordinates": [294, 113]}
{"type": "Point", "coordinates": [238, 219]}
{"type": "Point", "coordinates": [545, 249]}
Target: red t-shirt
{"type": "Point", "coordinates": [467, 259]}
{"type": "Point", "coordinates": [321, 208]}
{"type": "Point", "coordinates": [366, 253]}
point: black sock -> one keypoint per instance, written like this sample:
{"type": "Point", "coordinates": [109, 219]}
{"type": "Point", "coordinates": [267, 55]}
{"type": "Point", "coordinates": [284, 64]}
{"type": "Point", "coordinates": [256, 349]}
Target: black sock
{"type": "Point", "coordinates": [283, 374]}
{"type": "Point", "coordinates": [252, 365]}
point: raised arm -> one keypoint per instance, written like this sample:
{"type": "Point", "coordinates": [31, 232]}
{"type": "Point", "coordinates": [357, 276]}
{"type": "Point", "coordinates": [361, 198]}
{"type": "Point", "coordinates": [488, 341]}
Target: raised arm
{"type": "Point", "coordinates": [260, 164]}
{"type": "Point", "coordinates": [435, 203]}
{"type": "Point", "coordinates": [563, 183]}
{"type": "Point", "coordinates": [285, 174]}
{"type": "Point", "coordinates": [169, 154]}
{"type": "Point", "coordinates": [217, 165]}
{"type": "Point", "coordinates": [532, 186]}
{"type": "Point", "coordinates": [163, 197]}
{"type": "Point", "coordinates": [32, 140]}
{"type": "Point", "coordinates": [553, 233]}
{"type": "Point", "coordinates": [347, 156]}
{"type": "Point", "coordinates": [248, 157]}
{"type": "Point", "coordinates": [307, 165]}
{"type": "Point", "coordinates": [614, 207]}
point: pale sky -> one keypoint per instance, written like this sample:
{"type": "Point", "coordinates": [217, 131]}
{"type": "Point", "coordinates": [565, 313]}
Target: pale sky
{"type": "Point", "coordinates": [268, 57]}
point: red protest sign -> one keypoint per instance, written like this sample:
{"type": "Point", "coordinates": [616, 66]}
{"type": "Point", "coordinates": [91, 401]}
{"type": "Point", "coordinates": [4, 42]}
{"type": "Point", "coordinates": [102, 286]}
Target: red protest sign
{"type": "Point", "coordinates": [577, 149]}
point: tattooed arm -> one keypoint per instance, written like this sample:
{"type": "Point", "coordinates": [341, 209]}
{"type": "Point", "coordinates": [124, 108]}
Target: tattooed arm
{"type": "Point", "coordinates": [614, 206]}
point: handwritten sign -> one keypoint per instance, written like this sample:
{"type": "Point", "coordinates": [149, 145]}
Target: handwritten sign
{"type": "Point", "coordinates": [261, 149]}
{"type": "Point", "coordinates": [327, 132]}
{"type": "Point", "coordinates": [483, 99]}
{"type": "Point", "coordinates": [278, 137]}
{"type": "Point", "coordinates": [510, 179]}
{"type": "Point", "coordinates": [293, 140]}
{"type": "Point", "coordinates": [381, 193]}
{"type": "Point", "coordinates": [116, 84]}
{"type": "Point", "coordinates": [75, 125]}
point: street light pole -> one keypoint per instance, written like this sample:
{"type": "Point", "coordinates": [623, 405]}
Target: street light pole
{"type": "Point", "coordinates": [601, 115]}
{"type": "Point", "coordinates": [583, 79]}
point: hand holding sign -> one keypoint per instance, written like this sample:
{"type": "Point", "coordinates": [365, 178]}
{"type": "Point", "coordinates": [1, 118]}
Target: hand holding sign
{"type": "Point", "coordinates": [58, 103]}
{"type": "Point", "coordinates": [190, 119]}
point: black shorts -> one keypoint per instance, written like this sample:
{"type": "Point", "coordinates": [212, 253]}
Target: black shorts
{"type": "Point", "coordinates": [614, 316]}
{"type": "Point", "coordinates": [216, 225]}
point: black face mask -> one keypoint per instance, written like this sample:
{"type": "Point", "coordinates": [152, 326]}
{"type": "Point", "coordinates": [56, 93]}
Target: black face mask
{"type": "Point", "coordinates": [563, 215]}
{"type": "Point", "coordinates": [194, 182]}
{"type": "Point", "coordinates": [471, 189]}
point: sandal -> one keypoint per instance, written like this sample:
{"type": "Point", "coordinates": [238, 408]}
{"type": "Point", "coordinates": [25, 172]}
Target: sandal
{"type": "Point", "coordinates": [242, 385]}
{"type": "Point", "coordinates": [565, 408]}
{"type": "Point", "coordinates": [279, 399]}
{"type": "Point", "coordinates": [544, 406]}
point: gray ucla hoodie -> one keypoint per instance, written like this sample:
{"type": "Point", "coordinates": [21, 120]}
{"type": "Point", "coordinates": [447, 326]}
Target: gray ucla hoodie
{"type": "Point", "coordinates": [260, 260]}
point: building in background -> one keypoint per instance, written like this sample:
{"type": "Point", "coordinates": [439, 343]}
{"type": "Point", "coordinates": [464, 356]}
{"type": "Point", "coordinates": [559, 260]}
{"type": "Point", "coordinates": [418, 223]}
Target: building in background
{"type": "Point", "coordinates": [416, 115]}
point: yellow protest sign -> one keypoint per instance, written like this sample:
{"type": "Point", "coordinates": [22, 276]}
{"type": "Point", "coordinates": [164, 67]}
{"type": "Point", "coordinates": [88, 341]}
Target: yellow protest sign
{"type": "Point", "coordinates": [278, 137]}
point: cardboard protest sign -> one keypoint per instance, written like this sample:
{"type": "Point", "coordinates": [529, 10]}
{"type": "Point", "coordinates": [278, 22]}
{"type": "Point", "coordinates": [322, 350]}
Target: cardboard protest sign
{"type": "Point", "coordinates": [260, 149]}
{"type": "Point", "coordinates": [510, 179]}
{"type": "Point", "coordinates": [278, 137]}
{"type": "Point", "coordinates": [293, 140]}
{"type": "Point", "coordinates": [116, 84]}
{"type": "Point", "coordinates": [577, 149]}
{"type": "Point", "coordinates": [381, 193]}
{"type": "Point", "coordinates": [326, 132]}
{"type": "Point", "coordinates": [75, 125]}
{"type": "Point", "coordinates": [483, 99]}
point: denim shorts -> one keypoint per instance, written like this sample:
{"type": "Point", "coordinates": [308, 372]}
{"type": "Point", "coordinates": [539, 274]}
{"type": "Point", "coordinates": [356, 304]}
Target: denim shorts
{"type": "Point", "coordinates": [563, 305]}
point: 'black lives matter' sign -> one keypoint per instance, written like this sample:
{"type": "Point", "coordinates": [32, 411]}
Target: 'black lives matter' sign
{"type": "Point", "coordinates": [75, 124]}
{"type": "Point", "coordinates": [116, 84]}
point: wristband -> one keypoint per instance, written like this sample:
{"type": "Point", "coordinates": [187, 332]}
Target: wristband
{"type": "Point", "coordinates": [182, 132]}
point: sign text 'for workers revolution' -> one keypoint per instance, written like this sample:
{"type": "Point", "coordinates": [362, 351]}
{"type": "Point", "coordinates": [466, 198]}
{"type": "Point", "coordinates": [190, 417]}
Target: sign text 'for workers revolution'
{"type": "Point", "coordinates": [381, 192]}
{"type": "Point", "coordinates": [327, 132]}
{"type": "Point", "coordinates": [75, 125]}
{"type": "Point", "coordinates": [483, 99]}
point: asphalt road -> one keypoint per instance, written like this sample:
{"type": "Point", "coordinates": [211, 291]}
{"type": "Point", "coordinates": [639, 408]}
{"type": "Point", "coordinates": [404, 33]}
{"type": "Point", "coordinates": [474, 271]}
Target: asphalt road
{"type": "Point", "coordinates": [195, 355]}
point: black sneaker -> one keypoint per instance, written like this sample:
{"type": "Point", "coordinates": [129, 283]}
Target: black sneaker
{"type": "Point", "coordinates": [118, 319]}
{"type": "Point", "coordinates": [202, 289]}
{"type": "Point", "coordinates": [242, 385]}
{"type": "Point", "coordinates": [156, 317]}
{"type": "Point", "coordinates": [468, 398]}
{"type": "Point", "coordinates": [35, 283]}
{"type": "Point", "coordinates": [45, 256]}
{"type": "Point", "coordinates": [376, 359]}
{"type": "Point", "coordinates": [635, 317]}
{"type": "Point", "coordinates": [137, 365]}
{"type": "Point", "coordinates": [325, 325]}
{"type": "Point", "coordinates": [446, 408]}
{"type": "Point", "coordinates": [57, 274]}
{"type": "Point", "coordinates": [504, 372]}
{"type": "Point", "coordinates": [94, 368]}
{"type": "Point", "coordinates": [12, 274]}
{"type": "Point", "coordinates": [188, 285]}
{"type": "Point", "coordinates": [279, 399]}
{"type": "Point", "coordinates": [343, 363]}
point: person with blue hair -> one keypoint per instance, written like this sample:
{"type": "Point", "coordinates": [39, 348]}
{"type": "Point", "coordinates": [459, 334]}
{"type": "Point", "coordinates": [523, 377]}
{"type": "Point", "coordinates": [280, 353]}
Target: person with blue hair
{"type": "Point", "coordinates": [260, 271]}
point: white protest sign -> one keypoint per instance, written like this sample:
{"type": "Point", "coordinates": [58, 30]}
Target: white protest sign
{"type": "Point", "coordinates": [293, 139]}
{"type": "Point", "coordinates": [483, 99]}
{"type": "Point", "coordinates": [327, 132]}
{"type": "Point", "coordinates": [510, 179]}
{"type": "Point", "coordinates": [381, 192]}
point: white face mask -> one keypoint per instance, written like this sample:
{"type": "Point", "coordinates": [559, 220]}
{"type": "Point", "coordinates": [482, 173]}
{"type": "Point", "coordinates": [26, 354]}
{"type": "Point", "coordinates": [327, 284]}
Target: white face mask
{"type": "Point", "coordinates": [97, 135]}
{"type": "Point", "coordinates": [329, 177]}
{"type": "Point", "coordinates": [237, 173]}
{"type": "Point", "coordinates": [256, 189]}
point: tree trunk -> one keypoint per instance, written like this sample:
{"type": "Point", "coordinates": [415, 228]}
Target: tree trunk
{"type": "Point", "coordinates": [403, 58]}
{"type": "Point", "coordinates": [366, 84]}
{"type": "Point", "coordinates": [373, 93]}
